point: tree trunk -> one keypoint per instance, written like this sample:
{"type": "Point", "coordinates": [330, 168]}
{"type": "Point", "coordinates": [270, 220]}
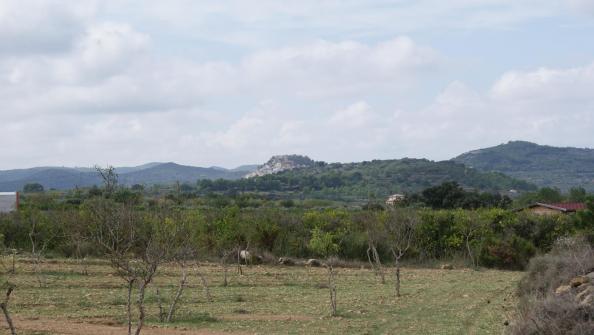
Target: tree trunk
{"type": "Point", "coordinates": [205, 286]}
{"type": "Point", "coordinates": [13, 269]}
{"type": "Point", "coordinates": [129, 306]}
{"type": "Point", "coordinates": [397, 261]}
{"type": "Point", "coordinates": [141, 312]}
{"type": "Point", "coordinates": [474, 265]}
{"type": "Point", "coordinates": [180, 288]}
{"type": "Point", "coordinates": [332, 288]}
{"type": "Point", "coordinates": [378, 263]}
{"type": "Point", "coordinates": [224, 264]}
{"type": "Point", "coordinates": [160, 303]}
{"type": "Point", "coordinates": [239, 269]}
{"type": "Point", "coordinates": [4, 307]}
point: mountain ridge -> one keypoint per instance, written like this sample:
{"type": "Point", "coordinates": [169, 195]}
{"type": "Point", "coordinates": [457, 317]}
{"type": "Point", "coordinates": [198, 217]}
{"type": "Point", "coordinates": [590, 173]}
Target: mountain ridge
{"type": "Point", "coordinates": [543, 165]}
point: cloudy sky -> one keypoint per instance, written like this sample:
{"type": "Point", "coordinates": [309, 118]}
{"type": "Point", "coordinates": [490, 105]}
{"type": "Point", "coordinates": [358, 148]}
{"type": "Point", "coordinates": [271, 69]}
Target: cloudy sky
{"type": "Point", "coordinates": [233, 82]}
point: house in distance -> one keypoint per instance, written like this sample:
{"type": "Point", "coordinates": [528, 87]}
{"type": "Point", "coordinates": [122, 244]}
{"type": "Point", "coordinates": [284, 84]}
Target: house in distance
{"type": "Point", "coordinates": [9, 201]}
{"type": "Point", "coordinates": [540, 208]}
{"type": "Point", "coordinates": [394, 199]}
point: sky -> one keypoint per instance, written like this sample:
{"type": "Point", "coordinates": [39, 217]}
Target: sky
{"type": "Point", "coordinates": [227, 83]}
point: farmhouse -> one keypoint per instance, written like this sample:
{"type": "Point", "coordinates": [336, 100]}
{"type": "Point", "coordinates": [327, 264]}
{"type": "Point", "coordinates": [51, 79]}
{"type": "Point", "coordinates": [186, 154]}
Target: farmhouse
{"type": "Point", "coordinates": [9, 201]}
{"type": "Point", "coordinates": [540, 208]}
{"type": "Point", "coordinates": [394, 199]}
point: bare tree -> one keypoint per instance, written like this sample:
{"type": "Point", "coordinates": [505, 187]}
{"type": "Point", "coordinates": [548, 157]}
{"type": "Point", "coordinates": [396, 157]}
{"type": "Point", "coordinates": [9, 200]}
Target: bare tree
{"type": "Point", "coordinates": [40, 236]}
{"type": "Point", "coordinates": [135, 243]}
{"type": "Point", "coordinates": [205, 288]}
{"type": "Point", "coordinates": [400, 225]}
{"type": "Point", "coordinates": [4, 307]}
{"type": "Point", "coordinates": [472, 228]}
{"type": "Point", "coordinates": [110, 179]}
{"type": "Point", "coordinates": [369, 222]}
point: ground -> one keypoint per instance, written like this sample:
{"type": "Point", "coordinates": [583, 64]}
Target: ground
{"type": "Point", "coordinates": [266, 300]}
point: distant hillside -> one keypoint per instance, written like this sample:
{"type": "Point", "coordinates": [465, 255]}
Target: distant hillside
{"type": "Point", "coordinates": [62, 178]}
{"type": "Point", "coordinates": [281, 163]}
{"type": "Point", "coordinates": [168, 173]}
{"type": "Point", "coordinates": [378, 177]}
{"type": "Point", "coordinates": [539, 164]}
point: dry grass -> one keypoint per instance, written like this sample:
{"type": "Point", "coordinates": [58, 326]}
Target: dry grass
{"type": "Point", "coordinates": [274, 300]}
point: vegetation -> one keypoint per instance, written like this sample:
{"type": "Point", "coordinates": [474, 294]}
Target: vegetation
{"type": "Point", "coordinates": [377, 178]}
{"type": "Point", "coordinates": [142, 237]}
{"type": "Point", "coordinates": [556, 295]}
{"type": "Point", "coordinates": [267, 300]}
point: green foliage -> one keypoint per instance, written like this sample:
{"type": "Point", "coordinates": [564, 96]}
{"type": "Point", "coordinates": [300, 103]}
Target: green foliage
{"type": "Point", "coordinates": [33, 188]}
{"type": "Point", "coordinates": [377, 178]}
{"type": "Point", "coordinates": [322, 243]}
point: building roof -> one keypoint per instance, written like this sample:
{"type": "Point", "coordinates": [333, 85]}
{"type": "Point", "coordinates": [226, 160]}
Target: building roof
{"type": "Point", "coordinates": [562, 206]}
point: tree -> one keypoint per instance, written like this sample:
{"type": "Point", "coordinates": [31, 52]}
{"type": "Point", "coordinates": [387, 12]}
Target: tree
{"type": "Point", "coordinates": [33, 188]}
{"type": "Point", "coordinates": [369, 222]}
{"type": "Point", "coordinates": [577, 194]}
{"type": "Point", "coordinates": [135, 244]}
{"type": "Point", "coordinates": [4, 307]}
{"type": "Point", "coordinates": [400, 226]}
{"type": "Point", "coordinates": [447, 195]}
{"type": "Point", "coordinates": [110, 179]}
{"type": "Point", "coordinates": [321, 243]}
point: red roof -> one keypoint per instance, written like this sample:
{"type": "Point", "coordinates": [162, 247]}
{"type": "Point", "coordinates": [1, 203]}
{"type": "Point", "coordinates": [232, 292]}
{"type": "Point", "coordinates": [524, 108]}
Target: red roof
{"type": "Point", "coordinates": [563, 206]}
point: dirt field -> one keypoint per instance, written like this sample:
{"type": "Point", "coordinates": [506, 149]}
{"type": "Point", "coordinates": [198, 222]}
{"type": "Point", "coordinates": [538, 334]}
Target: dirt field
{"type": "Point", "coordinates": [267, 300]}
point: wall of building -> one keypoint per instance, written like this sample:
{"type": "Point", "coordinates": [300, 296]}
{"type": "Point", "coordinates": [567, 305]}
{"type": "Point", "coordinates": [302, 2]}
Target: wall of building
{"type": "Point", "coordinates": [539, 210]}
{"type": "Point", "coordinates": [8, 202]}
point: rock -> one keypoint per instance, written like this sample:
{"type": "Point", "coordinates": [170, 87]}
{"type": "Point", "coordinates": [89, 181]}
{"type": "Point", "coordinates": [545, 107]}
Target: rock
{"type": "Point", "coordinates": [286, 261]}
{"type": "Point", "coordinates": [282, 163]}
{"type": "Point", "coordinates": [447, 267]}
{"type": "Point", "coordinates": [588, 300]}
{"type": "Point", "coordinates": [313, 262]}
{"type": "Point", "coordinates": [588, 292]}
{"type": "Point", "coordinates": [577, 281]}
{"type": "Point", "coordinates": [590, 276]}
{"type": "Point", "coordinates": [562, 289]}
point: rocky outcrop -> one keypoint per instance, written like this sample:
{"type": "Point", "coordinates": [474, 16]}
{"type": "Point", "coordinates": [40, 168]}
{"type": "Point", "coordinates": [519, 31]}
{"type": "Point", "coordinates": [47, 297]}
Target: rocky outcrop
{"type": "Point", "coordinates": [282, 163]}
{"type": "Point", "coordinates": [580, 288]}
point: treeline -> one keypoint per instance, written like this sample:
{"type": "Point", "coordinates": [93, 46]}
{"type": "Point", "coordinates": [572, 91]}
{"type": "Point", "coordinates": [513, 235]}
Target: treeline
{"type": "Point", "coordinates": [492, 237]}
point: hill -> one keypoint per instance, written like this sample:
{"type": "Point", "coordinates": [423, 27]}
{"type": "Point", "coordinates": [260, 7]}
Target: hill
{"type": "Point", "coordinates": [378, 177]}
{"type": "Point", "coordinates": [538, 164]}
{"type": "Point", "coordinates": [62, 178]}
{"type": "Point", "coordinates": [282, 163]}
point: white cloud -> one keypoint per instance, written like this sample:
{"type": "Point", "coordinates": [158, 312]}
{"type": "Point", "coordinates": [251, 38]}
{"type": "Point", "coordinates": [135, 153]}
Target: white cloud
{"type": "Point", "coordinates": [328, 68]}
{"type": "Point", "coordinates": [28, 27]}
{"type": "Point", "coordinates": [358, 115]}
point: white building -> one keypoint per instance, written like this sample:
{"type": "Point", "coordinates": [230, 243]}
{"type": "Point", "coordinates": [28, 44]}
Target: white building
{"type": "Point", "coordinates": [394, 199]}
{"type": "Point", "coordinates": [9, 201]}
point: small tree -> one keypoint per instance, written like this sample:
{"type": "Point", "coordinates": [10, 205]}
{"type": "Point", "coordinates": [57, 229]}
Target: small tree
{"type": "Point", "coordinates": [374, 231]}
{"type": "Point", "coordinates": [4, 307]}
{"type": "Point", "coordinates": [400, 225]}
{"type": "Point", "coordinates": [33, 188]}
{"type": "Point", "coordinates": [322, 244]}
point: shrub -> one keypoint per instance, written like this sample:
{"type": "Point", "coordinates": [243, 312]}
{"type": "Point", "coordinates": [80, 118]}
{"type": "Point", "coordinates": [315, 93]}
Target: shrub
{"type": "Point", "coordinates": [512, 253]}
{"type": "Point", "coordinates": [541, 311]}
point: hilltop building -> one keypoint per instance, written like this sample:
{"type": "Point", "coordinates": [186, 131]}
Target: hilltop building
{"type": "Point", "coordinates": [9, 201]}
{"type": "Point", "coordinates": [394, 199]}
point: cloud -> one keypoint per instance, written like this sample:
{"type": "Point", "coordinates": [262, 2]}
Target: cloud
{"type": "Point", "coordinates": [358, 115]}
{"type": "Point", "coordinates": [28, 27]}
{"type": "Point", "coordinates": [330, 68]}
